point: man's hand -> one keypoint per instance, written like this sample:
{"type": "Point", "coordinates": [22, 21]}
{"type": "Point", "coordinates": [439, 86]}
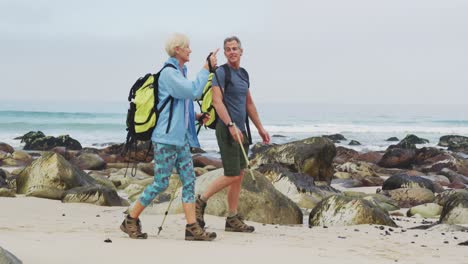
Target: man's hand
{"type": "Point", "coordinates": [264, 135]}
{"type": "Point", "coordinates": [236, 134]}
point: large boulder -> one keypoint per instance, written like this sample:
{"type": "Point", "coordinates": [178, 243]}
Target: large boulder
{"type": "Point", "coordinates": [5, 192]}
{"type": "Point", "coordinates": [98, 195]}
{"type": "Point", "coordinates": [339, 210]}
{"type": "Point", "coordinates": [409, 197]}
{"type": "Point", "coordinates": [259, 201]}
{"type": "Point", "coordinates": [404, 181]}
{"type": "Point", "coordinates": [7, 257]}
{"type": "Point", "coordinates": [454, 143]}
{"type": "Point", "coordinates": [455, 210]}
{"type": "Point", "coordinates": [380, 200]}
{"type": "Point", "coordinates": [141, 152]}
{"type": "Point", "coordinates": [336, 138]}
{"type": "Point", "coordinates": [372, 157]}
{"type": "Point", "coordinates": [344, 154]}
{"type": "Point", "coordinates": [298, 187]}
{"type": "Point", "coordinates": [312, 156]}
{"type": "Point", "coordinates": [410, 141]}
{"type": "Point", "coordinates": [203, 161]}
{"type": "Point", "coordinates": [6, 148]}
{"type": "Point", "coordinates": [429, 210]}
{"type": "Point", "coordinates": [88, 161]}
{"type": "Point", "coordinates": [442, 198]}
{"type": "Point", "coordinates": [360, 171]}
{"type": "Point", "coordinates": [51, 174]}
{"type": "Point", "coordinates": [397, 158]}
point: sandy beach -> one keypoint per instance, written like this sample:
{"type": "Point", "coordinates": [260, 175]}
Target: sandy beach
{"type": "Point", "coordinates": [48, 231]}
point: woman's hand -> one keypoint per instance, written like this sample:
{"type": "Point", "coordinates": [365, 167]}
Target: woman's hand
{"type": "Point", "coordinates": [213, 61]}
{"type": "Point", "coordinates": [204, 117]}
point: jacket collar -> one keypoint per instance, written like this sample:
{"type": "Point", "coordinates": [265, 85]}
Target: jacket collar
{"type": "Point", "coordinates": [175, 62]}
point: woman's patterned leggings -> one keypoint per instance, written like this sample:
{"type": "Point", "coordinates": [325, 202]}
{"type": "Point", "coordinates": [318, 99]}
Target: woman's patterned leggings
{"type": "Point", "coordinates": [165, 157]}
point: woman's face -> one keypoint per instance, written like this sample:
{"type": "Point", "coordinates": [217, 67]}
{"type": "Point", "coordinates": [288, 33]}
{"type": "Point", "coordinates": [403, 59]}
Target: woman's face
{"type": "Point", "coordinates": [183, 53]}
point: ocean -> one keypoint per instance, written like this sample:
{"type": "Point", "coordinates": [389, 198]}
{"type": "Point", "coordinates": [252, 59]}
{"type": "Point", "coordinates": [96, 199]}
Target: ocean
{"type": "Point", "coordinates": [100, 124]}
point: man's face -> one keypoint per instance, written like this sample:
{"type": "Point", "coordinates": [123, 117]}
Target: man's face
{"type": "Point", "coordinates": [232, 51]}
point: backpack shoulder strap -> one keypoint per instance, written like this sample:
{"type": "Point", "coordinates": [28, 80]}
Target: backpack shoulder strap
{"type": "Point", "coordinates": [227, 75]}
{"type": "Point", "coordinates": [246, 74]}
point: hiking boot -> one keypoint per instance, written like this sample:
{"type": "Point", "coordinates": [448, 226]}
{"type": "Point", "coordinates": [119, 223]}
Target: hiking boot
{"type": "Point", "coordinates": [132, 227]}
{"type": "Point", "coordinates": [200, 206]}
{"type": "Point", "coordinates": [195, 232]}
{"type": "Point", "coordinates": [236, 224]}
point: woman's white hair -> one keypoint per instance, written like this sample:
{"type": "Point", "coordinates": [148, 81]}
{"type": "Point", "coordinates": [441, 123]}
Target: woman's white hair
{"type": "Point", "coordinates": [176, 40]}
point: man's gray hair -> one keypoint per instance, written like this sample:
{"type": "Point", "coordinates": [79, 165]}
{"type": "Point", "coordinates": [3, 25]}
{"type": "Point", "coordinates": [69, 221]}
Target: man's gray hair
{"type": "Point", "coordinates": [233, 38]}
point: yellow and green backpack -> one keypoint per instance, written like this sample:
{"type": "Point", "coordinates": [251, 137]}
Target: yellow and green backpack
{"type": "Point", "coordinates": [142, 115]}
{"type": "Point", "coordinates": [206, 100]}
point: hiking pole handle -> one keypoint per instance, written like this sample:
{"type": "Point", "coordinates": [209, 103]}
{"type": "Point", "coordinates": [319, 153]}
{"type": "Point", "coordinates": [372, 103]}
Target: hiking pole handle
{"type": "Point", "coordinates": [244, 154]}
{"type": "Point", "coordinates": [210, 67]}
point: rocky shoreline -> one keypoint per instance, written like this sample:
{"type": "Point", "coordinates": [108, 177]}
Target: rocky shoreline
{"type": "Point", "coordinates": [310, 177]}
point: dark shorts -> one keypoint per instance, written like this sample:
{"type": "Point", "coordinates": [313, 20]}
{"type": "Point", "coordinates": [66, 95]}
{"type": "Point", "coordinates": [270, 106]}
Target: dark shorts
{"type": "Point", "coordinates": [230, 150]}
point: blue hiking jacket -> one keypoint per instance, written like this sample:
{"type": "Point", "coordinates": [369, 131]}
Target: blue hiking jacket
{"type": "Point", "coordinates": [172, 82]}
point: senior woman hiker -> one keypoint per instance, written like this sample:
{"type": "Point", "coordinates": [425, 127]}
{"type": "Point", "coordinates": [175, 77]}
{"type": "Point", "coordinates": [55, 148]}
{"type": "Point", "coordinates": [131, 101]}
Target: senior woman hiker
{"type": "Point", "coordinates": [172, 138]}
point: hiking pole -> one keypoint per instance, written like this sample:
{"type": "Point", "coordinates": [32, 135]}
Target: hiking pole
{"type": "Point", "coordinates": [245, 155]}
{"type": "Point", "coordinates": [168, 207]}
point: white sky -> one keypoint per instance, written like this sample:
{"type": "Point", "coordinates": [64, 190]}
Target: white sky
{"type": "Point", "coordinates": [333, 51]}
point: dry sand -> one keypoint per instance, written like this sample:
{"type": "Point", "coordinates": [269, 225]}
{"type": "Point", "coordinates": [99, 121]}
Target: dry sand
{"type": "Point", "coordinates": [47, 231]}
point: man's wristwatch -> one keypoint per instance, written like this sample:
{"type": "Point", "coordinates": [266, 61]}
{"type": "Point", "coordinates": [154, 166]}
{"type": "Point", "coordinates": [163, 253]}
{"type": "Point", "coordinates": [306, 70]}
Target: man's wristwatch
{"type": "Point", "coordinates": [230, 124]}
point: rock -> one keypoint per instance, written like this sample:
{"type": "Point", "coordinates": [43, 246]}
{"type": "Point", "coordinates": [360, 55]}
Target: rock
{"type": "Point", "coordinates": [335, 137]}
{"type": "Point", "coordinates": [340, 210]}
{"type": "Point", "coordinates": [392, 139]}
{"type": "Point", "coordinates": [442, 198]}
{"type": "Point", "coordinates": [455, 210]}
{"type": "Point", "coordinates": [98, 195]}
{"type": "Point", "coordinates": [410, 141]}
{"type": "Point", "coordinates": [380, 200]}
{"type": "Point", "coordinates": [437, 179]}
{"type": "Point", "coordinates": [354, 143]}
{"type": "Point", "coordinates": [7, 257]}
{"type": "Point", "coordinates": [51, 172]}
{"type": "Point", "coordinates": [259, 202]}
{"type": "Point", "coordinates": [202, 161]}
{"type": "Point", "coordinates": [429, 155]}
{"type": "Point", "coordinates": [142, 153]}
{"type": "Point", "coordinates": [312, 156]}
{"type": "Point", "coordinates": [102, 179]}
{"type": "Point", "coordinates": [4, 192]}
{"type": "Point", "coordinates": [3, 179]}
{"type": "Point", "coordinates": [210, 168]}
{"type": "Point", "coordinates": [429, 210]}
{"type": "Point", "coordinates": [122, 180]}
{"type": "Point", "coordinates": [409, 197]}
{"type": "Point", "coordinates": [133, 191]}
{"type": "Point", "coordinates": [278, 136]}
{"type": "Point", "coordinates": [17, 158]}
{"type": "Point", "coordinates": [454, 176]}
{"type": "Point", "coordinates": [38, 141]}
{"type": "Point", "coordinates": [300, 188]}
{"type": "Point", "coordinates": [371, 157]}
{"type": "Point", "coordinates": [404, 181]}
{"type": "Point", "coordinates": [447, 228]}
{"type": "Point", "coordinates": [199, 171]}
{"type": "Point", "coordinates": [344, 154]}
{"type": "Point", "coordinates": [454, 143]}
{"type": "Point", "coordinates": [362, 172]}
{"type": "Point", "coordinates": [397, 158]}
{"type": "Point", "coordinates": [6, 148]}
{"type": "Point", "coordinates": [88, 161]}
